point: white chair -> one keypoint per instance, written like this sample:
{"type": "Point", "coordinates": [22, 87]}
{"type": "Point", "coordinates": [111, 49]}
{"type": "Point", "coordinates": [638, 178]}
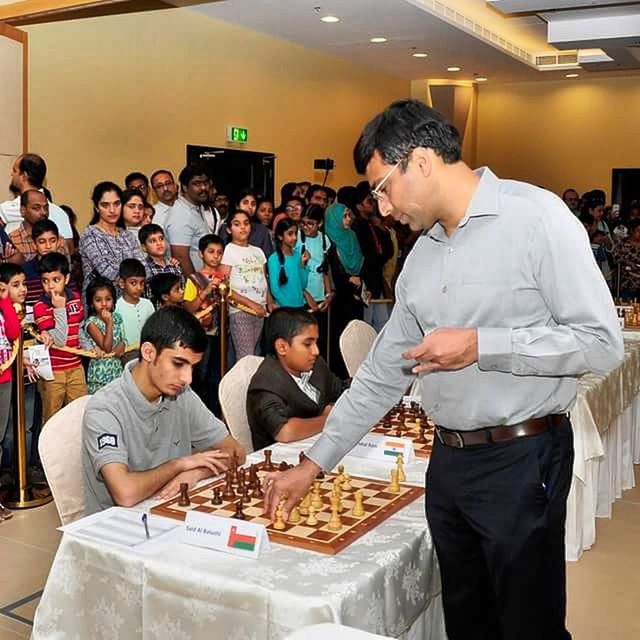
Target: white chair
{"type": "Point", "coordinates": [232, 392]}
{"type": "Point", "coordinates": [60, 448]}
{"type": "Point", "coordinates": [355, 343]}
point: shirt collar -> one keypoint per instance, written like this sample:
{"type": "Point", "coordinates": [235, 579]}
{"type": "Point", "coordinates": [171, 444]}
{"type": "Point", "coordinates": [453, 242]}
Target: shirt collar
{"type": "Point", "coordinates": [140, 404]}
{"type": "Point", "coordinates": [188, 204]}
{"type": "Point", "coordinates": [485, 202]}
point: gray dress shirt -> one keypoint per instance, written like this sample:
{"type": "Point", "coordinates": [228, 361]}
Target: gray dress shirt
{"type": "Point", "coordinates": [518, 268]}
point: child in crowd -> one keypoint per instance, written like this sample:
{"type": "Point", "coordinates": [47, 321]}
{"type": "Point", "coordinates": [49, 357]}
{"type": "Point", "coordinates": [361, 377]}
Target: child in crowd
{"type": "Point", "coordinates": [319, 292]}
{"type": "Point", "coordinates": [264, 212]}
{"type": "Point", "coordinates": [200, 296]}
{"type": "Point", "coordinates": [287, 270]}
{"type": "Point", "coordinates": [166, 290]}
{"type": "Point", "coordinates": [132, 307]}
{"type": "Point", "coordinates": [46, 238]}
{"type": "Point", "coordinates": [293, 390]}
{"type": "Point", "coordinates": [154, 244]}
{"type": "Point", "coordinates": [245, 265]}
{"type": "Point", "coordinates": [9, 331]}
{"type": "Point", "coordinates": [58, 315]}
{"type": "Point", "coordinates": [103, 332]}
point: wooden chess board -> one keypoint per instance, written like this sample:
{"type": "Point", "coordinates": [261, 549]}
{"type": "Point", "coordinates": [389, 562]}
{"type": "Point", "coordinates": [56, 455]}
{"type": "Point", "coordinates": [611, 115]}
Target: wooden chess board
{"type": "Point", "coordinates": [409, 428]}
{"type": "Point", "coordinates": [378, 505]}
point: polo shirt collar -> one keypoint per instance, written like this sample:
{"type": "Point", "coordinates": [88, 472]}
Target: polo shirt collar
{"type": "Point", "coordinates": [188, 204]}
{"type": "Point", "coordinates": [139, 403]}
{"type": "Point", "coordinates": [485, 202]}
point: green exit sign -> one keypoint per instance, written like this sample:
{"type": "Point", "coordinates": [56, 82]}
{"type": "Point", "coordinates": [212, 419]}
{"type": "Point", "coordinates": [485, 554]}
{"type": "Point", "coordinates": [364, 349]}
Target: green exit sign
{"type": "Point", "coordinates": [237, 134]}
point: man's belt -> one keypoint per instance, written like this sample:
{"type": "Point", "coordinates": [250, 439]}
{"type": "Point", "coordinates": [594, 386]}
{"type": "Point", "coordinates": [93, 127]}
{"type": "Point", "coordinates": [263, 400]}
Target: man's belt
{"type": "Point", "coordinates": [489, 435]}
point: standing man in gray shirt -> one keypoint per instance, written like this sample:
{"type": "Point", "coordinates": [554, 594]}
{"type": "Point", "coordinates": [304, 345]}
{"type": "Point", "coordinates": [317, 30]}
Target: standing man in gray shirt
{"type": "Point", "coordinates": [499, 307]}
{"type": "Point", "coordinates": [147, 432]}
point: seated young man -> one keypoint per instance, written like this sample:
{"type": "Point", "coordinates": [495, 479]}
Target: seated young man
{"type": "Point", "coordinates": [147, 432]}
{"type": "Point", "coordinates": [293, 390]}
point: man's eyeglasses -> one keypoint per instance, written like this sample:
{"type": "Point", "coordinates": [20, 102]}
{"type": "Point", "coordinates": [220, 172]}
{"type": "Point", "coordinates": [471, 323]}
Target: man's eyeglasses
{"type": "Point", "coordinates": [378, 194]}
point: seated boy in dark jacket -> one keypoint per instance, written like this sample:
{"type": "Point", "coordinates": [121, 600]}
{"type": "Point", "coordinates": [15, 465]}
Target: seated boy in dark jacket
{"type": "Point", "coordinates": [293, 390]}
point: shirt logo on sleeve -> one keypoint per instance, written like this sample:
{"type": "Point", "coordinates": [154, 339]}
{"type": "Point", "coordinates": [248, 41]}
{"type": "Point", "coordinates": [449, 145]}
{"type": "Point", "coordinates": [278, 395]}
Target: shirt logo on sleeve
{"type": "Point", "coordinates": [107, 440]}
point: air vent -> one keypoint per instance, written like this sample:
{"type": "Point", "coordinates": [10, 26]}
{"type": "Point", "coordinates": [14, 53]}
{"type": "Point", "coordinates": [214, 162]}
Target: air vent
{"type": "Point", "coordinates": [559, 59]}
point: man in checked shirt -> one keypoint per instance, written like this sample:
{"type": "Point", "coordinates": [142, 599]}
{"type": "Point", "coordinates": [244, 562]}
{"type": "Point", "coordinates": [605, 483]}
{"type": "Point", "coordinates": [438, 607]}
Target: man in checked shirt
{"type": "Point", "coordinates": [499, 307]}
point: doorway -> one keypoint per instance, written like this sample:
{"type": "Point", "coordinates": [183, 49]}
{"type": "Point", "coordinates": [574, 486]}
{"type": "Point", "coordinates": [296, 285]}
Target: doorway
{"type": "Point", "coordinates": [234, 169]}
{"type": "Point", "coordinates": [625, 187]}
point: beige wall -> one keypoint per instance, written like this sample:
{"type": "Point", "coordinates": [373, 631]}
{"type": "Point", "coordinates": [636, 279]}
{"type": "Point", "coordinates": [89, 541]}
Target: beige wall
{"type": "Point", "coordinates": [560, 134]}
{"type": "Point", "coordinates": [113, 94]}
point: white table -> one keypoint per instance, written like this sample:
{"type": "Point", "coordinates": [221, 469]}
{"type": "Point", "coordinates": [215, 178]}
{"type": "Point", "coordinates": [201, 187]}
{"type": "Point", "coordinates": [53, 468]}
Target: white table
{"type": "Point", "coordinates": [606, 426]}
{"type": "Point", "coordinates": [387, 582]}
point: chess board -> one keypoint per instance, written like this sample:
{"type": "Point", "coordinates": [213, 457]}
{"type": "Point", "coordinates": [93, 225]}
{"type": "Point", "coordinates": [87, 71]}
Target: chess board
{"type": "Point", "coordinates": [408, 427]}
{"type": "Point", "coordinates": [378, 505]}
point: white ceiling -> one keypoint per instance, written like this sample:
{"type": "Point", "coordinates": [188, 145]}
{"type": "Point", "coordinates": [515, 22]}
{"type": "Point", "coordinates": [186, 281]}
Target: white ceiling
{"type": "Point", "coordinates": [406, 26]}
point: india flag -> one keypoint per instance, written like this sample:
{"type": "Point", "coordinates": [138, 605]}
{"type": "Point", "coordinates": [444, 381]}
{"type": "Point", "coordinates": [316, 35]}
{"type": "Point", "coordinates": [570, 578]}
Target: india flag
{"type": "Point", "coordinates": [393, 448]}
{"type": "Point", "coordinates": [240, 541]}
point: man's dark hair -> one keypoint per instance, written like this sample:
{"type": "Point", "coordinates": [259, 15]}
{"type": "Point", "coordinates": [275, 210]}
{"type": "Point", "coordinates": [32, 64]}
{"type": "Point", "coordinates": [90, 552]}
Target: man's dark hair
{"type": "Point", "coordinates": [402, 127]}
{"type": "Point", "coordinates": [286, 323]}
{"type": "Point", "coordinates": [313, 188]}
{"type": "Point", "coordinates": [331, 193]}
{"type": "Point", "coordinates": [35, 167]}
{"type": "Point", "coordinates": [135, 175]}
{"type": "Point", "coordinates": [148, 230]}
{"type": "Point", "coordinates": [25, 195]}
{"type": "Point", "coordinates": [305, 183]}
{"type": "Point", "coordinates": [42, 226]}
{"type": "Point", "coordinates": [190, 172]}
{"type": "Point", "coordinates": [131, 268]}
{"type": "Point", "coordinates": [161, 285]}
{"type": "Point", "coordinates": [53, 262]}
{"type": "Point", "coordinates": [348, 196]}
{"type": "Point", "coordinates": [587, 218]}
{"type": "Point", "coordinates": [9, 270]}
{"type": "Point", "coordinates": [157, 172]}
{"type": "Point", "coordinates": [174, 326]}
{"type": "Point", "coordinates": [207, 239]}
{"type": "Point", "coordinates": [564, 193]}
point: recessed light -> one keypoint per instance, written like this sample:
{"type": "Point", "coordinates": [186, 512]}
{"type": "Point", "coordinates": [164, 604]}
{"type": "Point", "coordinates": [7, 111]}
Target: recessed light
{"type": "Point", "coordinates": [481, 79]}
{"type": "Point", "coordinates": [419, 55]}
{"type": "Point", "coordinates": [572, 75]}
{"type": "Point", "coordinates": [330, 19]}
{"type": "Point", "coordinates": [454, 69]}
{"type": "Point", "coordinates": [378, 40]}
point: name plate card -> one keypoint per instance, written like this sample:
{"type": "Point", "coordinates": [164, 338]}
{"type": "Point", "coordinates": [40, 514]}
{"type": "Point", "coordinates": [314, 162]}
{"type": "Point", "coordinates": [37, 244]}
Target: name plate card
{"type": "Point", "coordinates": [237, 537]}
{"type": "Point", "coordinates": [383, 448]}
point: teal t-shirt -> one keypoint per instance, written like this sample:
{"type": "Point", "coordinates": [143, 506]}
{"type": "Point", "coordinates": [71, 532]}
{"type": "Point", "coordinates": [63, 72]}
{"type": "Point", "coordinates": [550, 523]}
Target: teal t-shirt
{"type": "Point", "coordinates": [292, 293]}
{"type": "Point", "coordinates": [315, 283]}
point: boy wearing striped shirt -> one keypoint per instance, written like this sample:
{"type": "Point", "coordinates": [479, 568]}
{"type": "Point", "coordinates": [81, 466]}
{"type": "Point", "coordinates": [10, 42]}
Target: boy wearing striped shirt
{"type": "Point", "coordinates": [58, 315]}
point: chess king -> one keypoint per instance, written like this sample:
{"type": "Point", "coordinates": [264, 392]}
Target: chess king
{"type": "Point", "coordinates": [500, 306]}
{"type": "Point", "coordinates": [139, 431]}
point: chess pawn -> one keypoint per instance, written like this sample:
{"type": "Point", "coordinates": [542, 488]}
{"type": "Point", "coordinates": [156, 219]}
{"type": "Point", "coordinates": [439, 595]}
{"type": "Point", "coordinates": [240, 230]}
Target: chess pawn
{"type": "Point", "coordinates": [316, 499]}
{"type": "Point", "coordinates": [246, 498]}
{"type": "Point", "coordinates": [228, 493]}
{"type": "Point", "coordinates": [335, 524]}
{"type": "Point", "coordinates": [279, 524]}
{"type": "Point", "coordinates": [418, 424]}
{"type": "Point", "coordinates": [421, 438]}
{"type": "Point", "coordinates": [305, 504]}
{"type": "Point", "coordinates": [184, 501]}
{"type": "Point", "coordinates": [217, 498]}
{"type": "Point", "coordinates": [400, 466]}
{"type": "Point", "coordinates": [358, 508]}
{"type": "Point", "coordinates": [239, 513]}
{"type": "Point", "coordinates": [312, 520]}
{"type": "Point", "coordinates": [346, 483]}
{"type": "Point", "coordinates": [294, 516]}
{"type": "Point", "coordinates": [394, 486]}
{"type": "Point", "coordinates": [340, 471]}
{"type": "Point", "coordinates": [257, 489]}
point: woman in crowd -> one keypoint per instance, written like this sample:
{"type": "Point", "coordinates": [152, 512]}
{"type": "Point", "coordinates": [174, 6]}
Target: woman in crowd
{"type": "Point", "coordinates": [133, 205]}
{"type": "Point", "coordinates": [346, 262]}
{"type": "Point", "coordinates": [105, 244]}
{"type": "Point", "coordinates": [593, 204]}
{"type": "Point", "coordinates": [264, 214]}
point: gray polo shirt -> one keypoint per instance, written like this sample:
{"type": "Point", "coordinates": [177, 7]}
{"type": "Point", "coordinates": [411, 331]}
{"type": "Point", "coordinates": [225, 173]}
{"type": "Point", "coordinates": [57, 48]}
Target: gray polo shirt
{"type": "Point", "coordinates": [518, 268]}
{"type": "Point", "coordinates": [121, 425]}
{"type": "Point", "coordinates": [185, 225]}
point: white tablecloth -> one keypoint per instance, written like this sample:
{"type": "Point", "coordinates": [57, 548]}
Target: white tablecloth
{"type": "Point", "coordinates": [387, 582]}
{"type": "Point", "coordinates": [606, 425]}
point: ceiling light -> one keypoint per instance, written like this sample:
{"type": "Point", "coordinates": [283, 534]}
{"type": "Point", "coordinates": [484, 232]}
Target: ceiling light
{"type": "Point", "coordinates": [454, 69]}
{"type": "Point", "coordinates": [419, 55]}
{"type": "Point", "coordinates": [330, 19]}
{"type": "Point", "coordinates": [481, 79]}
{"type": "Point", "coordinates": [572, 75]}
{"type": "Point", "coordinates": [378, 40]}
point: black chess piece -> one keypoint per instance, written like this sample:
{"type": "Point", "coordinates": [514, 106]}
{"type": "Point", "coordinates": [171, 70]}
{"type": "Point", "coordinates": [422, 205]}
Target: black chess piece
{"type": "Point", "coordinates": [217, 498]}
{"type": "Point", "coordinates": [268, 464]}
{"type": "Point", "coordinates": [239, 513]}
{"type": "Point", "coordinates": [184, 501]}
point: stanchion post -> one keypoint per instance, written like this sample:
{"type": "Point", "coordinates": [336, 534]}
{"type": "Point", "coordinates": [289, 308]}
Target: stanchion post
{"type": "Point", "coordinates": [21, 496]}
{"type": "Point", "coordinates": [224, 315]}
